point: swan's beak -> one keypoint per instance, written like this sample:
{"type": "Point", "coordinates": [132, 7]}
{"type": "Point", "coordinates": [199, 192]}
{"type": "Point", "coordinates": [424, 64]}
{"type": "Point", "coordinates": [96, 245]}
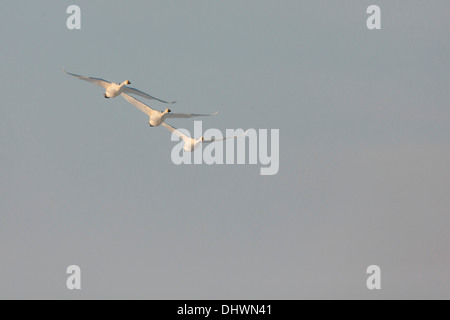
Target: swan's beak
{"type": "Point", "coordinates": [128, 82]}
{"type": "Point", "coordinates": [202, 138]}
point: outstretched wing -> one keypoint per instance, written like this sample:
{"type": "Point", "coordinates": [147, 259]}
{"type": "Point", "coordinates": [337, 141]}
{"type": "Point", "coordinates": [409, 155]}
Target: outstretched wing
{"type": "Point", "coordinates": [99, 82]}
{"type": "Point", "coordinates": [138, 104]}
{"type": "Point", "coordinates": [221, 139]}
{"type": "Point", "coordinates": [143, 94]}
{"type": "Point", "coordinates": [174, 130]}
{"type": "Point", "coordinates": [189, 115]}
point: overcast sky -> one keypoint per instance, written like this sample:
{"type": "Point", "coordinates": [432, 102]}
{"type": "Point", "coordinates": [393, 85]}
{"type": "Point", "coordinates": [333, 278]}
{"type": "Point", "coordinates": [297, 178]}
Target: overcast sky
{"type": "Point", "coordinates": [364, 150]}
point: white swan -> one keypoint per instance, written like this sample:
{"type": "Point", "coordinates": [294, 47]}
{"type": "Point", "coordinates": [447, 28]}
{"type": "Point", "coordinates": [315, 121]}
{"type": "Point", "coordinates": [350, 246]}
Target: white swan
{"type": "Point", "coordinates": [115, 89]}
{"type": "Point", "coordinates": [190, 144]}
{"type": "Point", "coordinates": [158, 117]}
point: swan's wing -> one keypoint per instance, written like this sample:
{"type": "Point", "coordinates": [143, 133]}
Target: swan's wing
{"type": "Point", "coordinates": [221, 139]}
{"type": "Point", "coordinates": [174, 130]}
{"type": "Point", "coordinates": [188, 115]}
{"type": "Point", "coordinates": [138, 104]}
{"type": "Point", "coordinates": [143, 94]}
{"type": "Point", "coordinates": [100, 82]}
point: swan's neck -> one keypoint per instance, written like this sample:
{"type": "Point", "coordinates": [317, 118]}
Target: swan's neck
{"type": "Point", "coordinates": [194, 144]}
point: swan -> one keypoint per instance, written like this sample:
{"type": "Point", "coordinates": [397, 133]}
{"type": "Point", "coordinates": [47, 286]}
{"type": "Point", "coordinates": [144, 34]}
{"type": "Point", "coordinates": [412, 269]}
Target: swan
{"type": "Point", "coordinates": [157, 117]}
{"type": "Point", "coordinates": [190, 144]}
{"type": "Point", "coordinates": [115, 89]}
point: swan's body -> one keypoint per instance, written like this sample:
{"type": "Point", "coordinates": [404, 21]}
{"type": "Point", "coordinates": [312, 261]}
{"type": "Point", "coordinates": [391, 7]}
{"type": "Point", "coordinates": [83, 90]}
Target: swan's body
{"type": "Point", "coordinates": [113, 89]}
{"type": "Point", "coordinates": [157, 118]}
{"type": "Point", "coordinates": [190, 144]}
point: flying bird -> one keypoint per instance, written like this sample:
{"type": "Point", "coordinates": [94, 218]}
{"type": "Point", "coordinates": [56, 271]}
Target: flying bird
{"type": "Point", "coordinates": [157, 118]}
{"type": "Point", "coordinates": [190, 144]}
{"type": "Point", "coordinates": [114, 89]}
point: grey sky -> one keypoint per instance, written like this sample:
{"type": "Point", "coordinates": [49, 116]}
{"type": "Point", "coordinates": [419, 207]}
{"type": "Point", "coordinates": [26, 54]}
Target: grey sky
{"type": "Point", "coordinates": [364, 150]}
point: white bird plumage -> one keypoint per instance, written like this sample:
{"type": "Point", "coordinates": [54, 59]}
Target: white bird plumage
{"type": "Point", "coordinates": [157, 118]}
{"type": "Point", "coordinates": [190, 144]}
{"type": "Point", "coordinates": [113, 89]}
